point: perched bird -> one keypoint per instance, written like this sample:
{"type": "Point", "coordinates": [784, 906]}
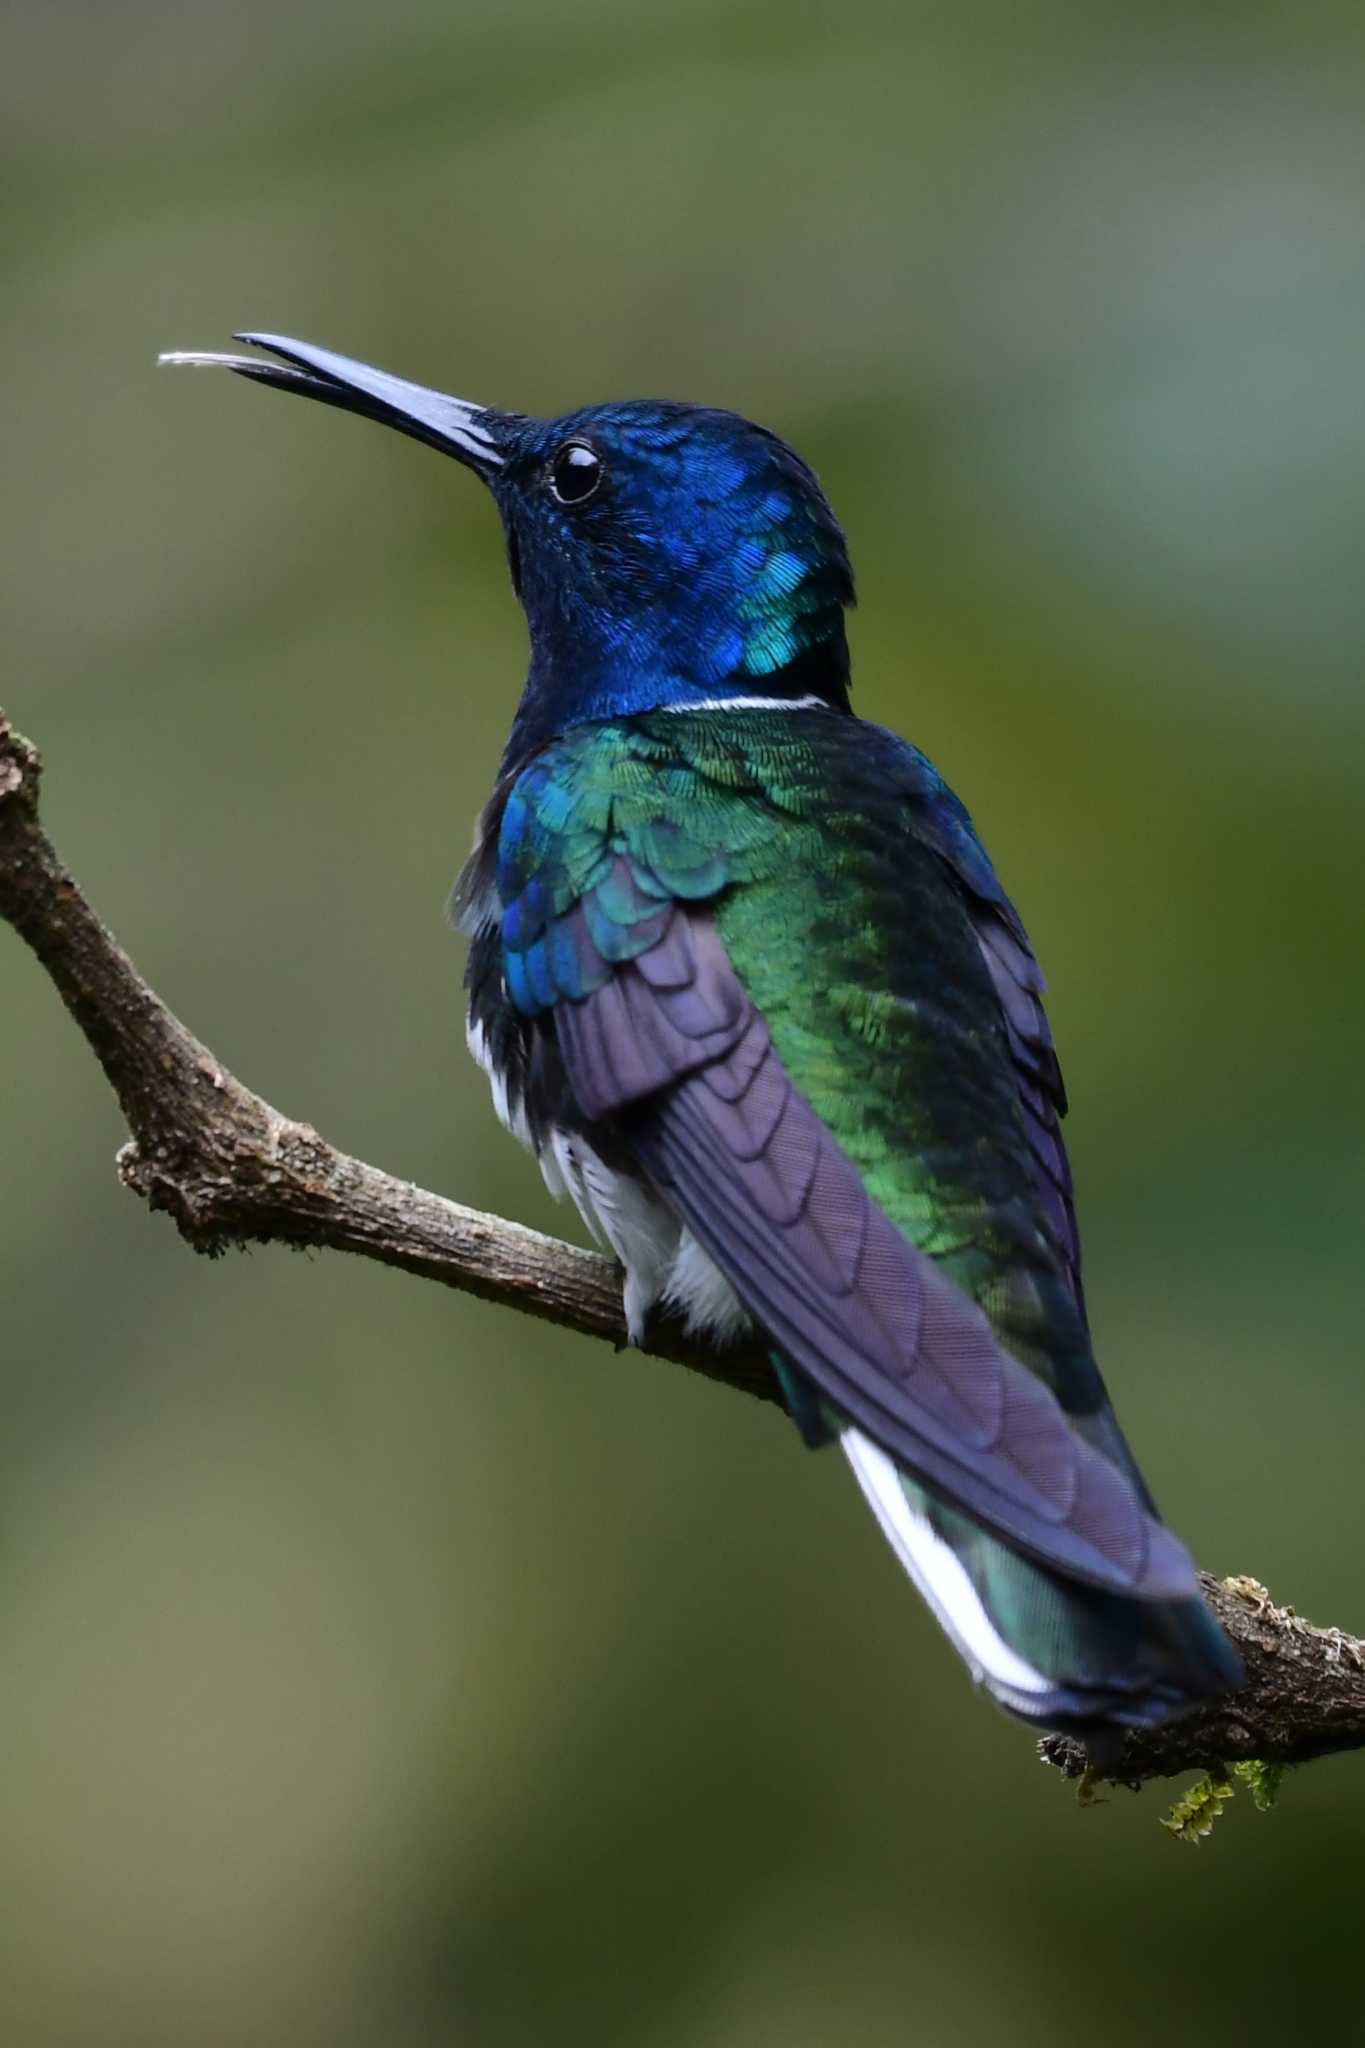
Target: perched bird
{"type": "Point", "coordinates": [742, 977]}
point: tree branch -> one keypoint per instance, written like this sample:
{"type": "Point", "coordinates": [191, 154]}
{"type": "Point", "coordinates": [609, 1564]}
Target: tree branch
{"type": "Point", "coordinates": [1304, 1698]}
{"type": "Point", "coordinates": [229, 1169]}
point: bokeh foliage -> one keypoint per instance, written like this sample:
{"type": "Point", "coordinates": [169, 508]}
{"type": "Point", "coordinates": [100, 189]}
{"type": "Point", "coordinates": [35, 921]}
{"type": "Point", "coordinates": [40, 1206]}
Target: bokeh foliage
{"type": "Point", "coordinates": [379, 1667]}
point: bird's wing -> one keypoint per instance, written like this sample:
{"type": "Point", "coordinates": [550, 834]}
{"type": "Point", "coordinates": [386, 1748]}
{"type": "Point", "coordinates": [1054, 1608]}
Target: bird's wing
{"type": "Point", "coordinates": [695, 908]}
{"type": "Point", "coordinates": [1040, 1092]}
{"type": "Point", "coordinates": [1019, 985]}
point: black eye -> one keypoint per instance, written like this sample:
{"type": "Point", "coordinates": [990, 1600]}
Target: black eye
{"type": "Point", "coordinates": [575, 473]}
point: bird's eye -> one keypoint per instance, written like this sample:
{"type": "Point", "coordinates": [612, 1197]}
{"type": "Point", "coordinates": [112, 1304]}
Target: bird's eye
{"type": "Point", "coordinates": [575, 473]}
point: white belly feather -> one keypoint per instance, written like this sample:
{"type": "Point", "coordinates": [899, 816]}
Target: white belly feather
{"type": "Point", "coordinates": [661, 1258]}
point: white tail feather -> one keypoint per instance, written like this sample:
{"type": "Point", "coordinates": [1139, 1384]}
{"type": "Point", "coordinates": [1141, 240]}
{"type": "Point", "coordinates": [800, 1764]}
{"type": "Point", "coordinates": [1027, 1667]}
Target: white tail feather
{"type": "Point", "coordinates": [938, 1574]}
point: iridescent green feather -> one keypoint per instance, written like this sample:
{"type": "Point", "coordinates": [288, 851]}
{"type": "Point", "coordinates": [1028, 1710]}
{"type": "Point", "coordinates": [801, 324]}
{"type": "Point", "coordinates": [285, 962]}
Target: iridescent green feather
{"type": "Point", "coordinates": [849, 930]}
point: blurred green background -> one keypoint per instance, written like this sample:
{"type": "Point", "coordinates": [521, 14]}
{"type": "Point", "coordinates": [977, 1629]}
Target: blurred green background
{"type": "Point", "coordinates": [381, 1668]}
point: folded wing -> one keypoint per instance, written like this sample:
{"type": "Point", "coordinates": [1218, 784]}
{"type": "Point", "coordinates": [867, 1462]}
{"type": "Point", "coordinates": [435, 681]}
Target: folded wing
{"type": "Point", "coordinates": [673, 1052]}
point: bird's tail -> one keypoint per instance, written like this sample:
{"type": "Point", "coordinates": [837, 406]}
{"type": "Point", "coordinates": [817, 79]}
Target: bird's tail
{"type": "Point", "coordinates": [1056, 1652]}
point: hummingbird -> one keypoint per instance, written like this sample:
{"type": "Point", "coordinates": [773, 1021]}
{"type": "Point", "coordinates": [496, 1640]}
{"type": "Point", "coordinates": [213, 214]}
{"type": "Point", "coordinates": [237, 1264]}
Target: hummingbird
{"type": "Point", "coordinates": [743, 979]}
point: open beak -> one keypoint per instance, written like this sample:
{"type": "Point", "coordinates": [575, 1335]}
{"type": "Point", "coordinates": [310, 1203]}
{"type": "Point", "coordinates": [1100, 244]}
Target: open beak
{"type": "Point", "coordinates": [468, 432]}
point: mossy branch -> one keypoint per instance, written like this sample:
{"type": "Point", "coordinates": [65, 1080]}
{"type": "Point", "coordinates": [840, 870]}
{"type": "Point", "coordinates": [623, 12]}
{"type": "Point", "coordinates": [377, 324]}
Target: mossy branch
{"type": "Point", "coordinates": [229, 1169]}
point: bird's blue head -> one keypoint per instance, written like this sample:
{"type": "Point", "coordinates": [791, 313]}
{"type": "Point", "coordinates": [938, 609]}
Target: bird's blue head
{"type": "Point", "coordinates": [668, 554]}
{"type": "Point", "coordinates": [664, 554]}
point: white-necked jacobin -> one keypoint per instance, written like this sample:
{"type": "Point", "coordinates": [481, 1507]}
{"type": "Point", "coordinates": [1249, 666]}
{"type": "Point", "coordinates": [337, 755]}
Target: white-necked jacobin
{"type": "Point", "coordinates": [742, 977]}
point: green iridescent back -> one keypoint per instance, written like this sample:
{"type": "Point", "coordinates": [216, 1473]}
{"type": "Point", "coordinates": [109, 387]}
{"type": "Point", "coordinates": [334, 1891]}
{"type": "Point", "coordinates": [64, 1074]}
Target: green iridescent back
{"type": "Point", "coordinates": [845, 880]}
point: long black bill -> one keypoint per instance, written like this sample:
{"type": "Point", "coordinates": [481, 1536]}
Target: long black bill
{"type": "Point", "coordinates": [450, 424]}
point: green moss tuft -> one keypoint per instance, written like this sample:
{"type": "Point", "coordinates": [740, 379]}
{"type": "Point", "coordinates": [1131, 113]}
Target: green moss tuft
{"type": "Point", "coordinates": [1192, 1817]}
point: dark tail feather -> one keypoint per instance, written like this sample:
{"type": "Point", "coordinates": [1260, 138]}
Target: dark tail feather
{"type": "Point", "coordinates": [1057, 1653]}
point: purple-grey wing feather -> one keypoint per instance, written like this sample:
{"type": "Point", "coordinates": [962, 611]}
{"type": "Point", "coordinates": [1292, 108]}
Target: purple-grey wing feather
{"type": "Point", "coordinates": [1019, 988]}
{"type": "Point", "coordinates": [672, 1050]}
